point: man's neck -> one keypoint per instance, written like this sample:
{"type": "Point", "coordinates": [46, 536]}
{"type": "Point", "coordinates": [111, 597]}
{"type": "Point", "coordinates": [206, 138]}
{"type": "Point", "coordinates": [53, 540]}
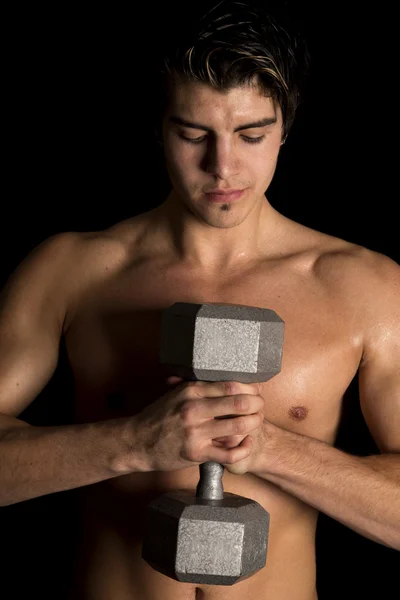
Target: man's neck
{"type": "Point", "coordinates": [212, 248]}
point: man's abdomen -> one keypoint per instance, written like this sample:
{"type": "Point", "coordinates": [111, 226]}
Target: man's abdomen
{"type": "Point", "coordinates": [110, 567]}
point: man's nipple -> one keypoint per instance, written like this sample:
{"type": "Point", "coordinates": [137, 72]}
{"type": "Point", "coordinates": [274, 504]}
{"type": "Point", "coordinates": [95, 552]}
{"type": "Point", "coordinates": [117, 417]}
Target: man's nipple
{"type": "Point", "coordinates": [298, 413]}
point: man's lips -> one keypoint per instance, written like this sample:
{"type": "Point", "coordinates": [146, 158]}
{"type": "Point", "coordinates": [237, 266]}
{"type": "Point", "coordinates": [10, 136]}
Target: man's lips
{"type": "Point", "coordinates": [220, 191]}
{"type": "Point", "coordinates": [224, 195]}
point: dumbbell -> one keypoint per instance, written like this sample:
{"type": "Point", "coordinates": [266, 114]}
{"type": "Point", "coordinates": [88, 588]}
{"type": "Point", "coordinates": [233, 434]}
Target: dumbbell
{"type": "Point", "coordinates": [212, 537]}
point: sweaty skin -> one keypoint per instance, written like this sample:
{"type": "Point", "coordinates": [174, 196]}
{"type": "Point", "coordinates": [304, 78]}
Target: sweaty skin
{"type": "Point", "coordinates": [112, 341]}
{"type": "Point", "coordinates": [107, 308]}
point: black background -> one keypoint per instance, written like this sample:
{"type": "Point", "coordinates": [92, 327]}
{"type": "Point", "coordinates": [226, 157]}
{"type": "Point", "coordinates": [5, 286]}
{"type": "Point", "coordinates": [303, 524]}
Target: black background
{"type": "Point", "coordinates": [80, 155]}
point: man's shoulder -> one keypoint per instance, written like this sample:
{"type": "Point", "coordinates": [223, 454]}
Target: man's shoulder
{"type": "Point", "coordinates": [74, 251]}
{"type": "Point", "coordinates": [353, 270]}
{"type": "Point", "coordinates": [347, 258]}
{"type": "Point", "coordinates": [72, 263]}
{"type": "Point", "coordinates": [103, 248]}
{"type": "Point", "coordinates": [340, 265]}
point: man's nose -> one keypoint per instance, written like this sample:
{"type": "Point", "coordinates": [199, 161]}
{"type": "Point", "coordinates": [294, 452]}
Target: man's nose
{"type": "Point", "coordinates": [221, 159]}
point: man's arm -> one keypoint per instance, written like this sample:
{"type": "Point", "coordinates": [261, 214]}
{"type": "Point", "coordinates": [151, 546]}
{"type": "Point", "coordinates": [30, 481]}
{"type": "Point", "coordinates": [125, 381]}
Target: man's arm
{"type": "Point", "coordinates": [173, 432]}
{"type": "Point", "coordinates": [33, 308]}
{"type": "Point", "coordinates": [363, 493]}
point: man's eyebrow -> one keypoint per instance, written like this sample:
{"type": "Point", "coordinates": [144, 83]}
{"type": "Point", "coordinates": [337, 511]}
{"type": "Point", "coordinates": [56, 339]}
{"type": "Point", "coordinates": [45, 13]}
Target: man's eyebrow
{"type": "Point", "coordinates": [260, 123]}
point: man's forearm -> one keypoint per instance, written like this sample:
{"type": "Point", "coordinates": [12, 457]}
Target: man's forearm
{"type": "Point", "coordinates": [35, 461]}
{"type": "Point", "coordinates": [363, 493]}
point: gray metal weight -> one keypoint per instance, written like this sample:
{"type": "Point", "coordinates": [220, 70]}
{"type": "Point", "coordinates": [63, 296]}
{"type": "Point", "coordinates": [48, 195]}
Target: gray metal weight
{"type": "Point", "coordinates": [213, 537]}
{"type": "Point", "coordinates": [221, 342]}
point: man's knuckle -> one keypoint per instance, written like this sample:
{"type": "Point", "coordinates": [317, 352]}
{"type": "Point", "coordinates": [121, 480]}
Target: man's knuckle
{"type": "Point", "coordinates": [194, 390]}
{"type": "Point", "coordinates": [226, 388]}
{"type": "Point", "coordinates": [231, 388]}
{"type": "Point", "coordinates": [238, 425]}
{"type": "Point", "coordinates": [191, 435]}
{"type": "Point", "coordinates": [241, 402]}
{"type": "Point", "coordinates": [191, 447]}
{"type": "Point", "coordinates": [188, 411]}
{"type": "Point", "coordinates": [192, 383]}
{"type": "Point", "coordinates": [230, 457]}
{"type": "Point", "coordinates": [191, 454]}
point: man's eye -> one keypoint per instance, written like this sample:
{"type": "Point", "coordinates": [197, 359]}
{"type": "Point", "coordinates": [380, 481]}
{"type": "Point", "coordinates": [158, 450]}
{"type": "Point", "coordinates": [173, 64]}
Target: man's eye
{"type": "Point", "coordinates": [193, 140]}
{"type": "Point", "coordinates": [199, 140]}
{"type": "Point", "coordinates": [254, 140]}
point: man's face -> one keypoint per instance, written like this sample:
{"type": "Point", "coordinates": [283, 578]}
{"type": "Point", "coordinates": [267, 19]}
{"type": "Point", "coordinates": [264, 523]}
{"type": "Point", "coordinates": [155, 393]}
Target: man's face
{"type": "Point", "coordinates": [217, 141]}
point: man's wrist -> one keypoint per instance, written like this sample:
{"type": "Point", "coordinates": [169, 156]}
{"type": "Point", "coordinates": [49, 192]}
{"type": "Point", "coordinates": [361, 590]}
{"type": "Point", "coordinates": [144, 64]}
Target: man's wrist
{"type": "Point", "coordinates": [277, 452]}
{"type": "Point", "coordinates": [131, 455]}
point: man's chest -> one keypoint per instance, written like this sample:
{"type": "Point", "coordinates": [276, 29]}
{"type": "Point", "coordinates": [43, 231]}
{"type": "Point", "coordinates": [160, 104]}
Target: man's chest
{"type": "Point", "coordinates": [114, 339]}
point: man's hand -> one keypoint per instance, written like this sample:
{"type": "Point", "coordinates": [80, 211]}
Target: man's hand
{"type": "Point", "coordinates": [263, 442]}
{"type": "Point", "coordinates": [179, 429]}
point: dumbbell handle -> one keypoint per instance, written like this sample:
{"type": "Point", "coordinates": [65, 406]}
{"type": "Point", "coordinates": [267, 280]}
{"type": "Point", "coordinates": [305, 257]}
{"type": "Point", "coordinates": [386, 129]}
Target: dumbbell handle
{"type": "Point", "coordinates": [210, 484]}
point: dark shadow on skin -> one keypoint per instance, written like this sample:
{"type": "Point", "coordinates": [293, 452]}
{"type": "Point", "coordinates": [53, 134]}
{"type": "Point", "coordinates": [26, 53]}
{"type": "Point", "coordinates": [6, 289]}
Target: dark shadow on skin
{"type": "Point", "coordinates": [41, 535]}
{"type": "Point", "coordinates": [349, 565]}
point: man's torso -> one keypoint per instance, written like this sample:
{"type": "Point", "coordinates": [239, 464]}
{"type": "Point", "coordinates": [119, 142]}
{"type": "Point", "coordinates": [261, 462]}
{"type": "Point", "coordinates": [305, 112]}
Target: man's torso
{"type": "Point", "coordinates": [112, 339]}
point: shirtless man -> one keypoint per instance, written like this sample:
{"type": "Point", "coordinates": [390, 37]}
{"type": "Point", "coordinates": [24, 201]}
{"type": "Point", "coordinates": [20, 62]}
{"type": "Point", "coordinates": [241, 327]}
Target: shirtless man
{"type": "Point", "coordinates": [137, 435]}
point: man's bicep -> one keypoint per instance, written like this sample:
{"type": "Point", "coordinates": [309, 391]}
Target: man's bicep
{"type": "Point", "coordinates": [380, 404]}
{"type": "Point", "coordinates": [32, 309]}
{"type": "Point", "coordinates": [379, 373]}
{"type": "Point", "coordinates": [26, 366]}
{"type": "Point", "coordinates": [379, 385]}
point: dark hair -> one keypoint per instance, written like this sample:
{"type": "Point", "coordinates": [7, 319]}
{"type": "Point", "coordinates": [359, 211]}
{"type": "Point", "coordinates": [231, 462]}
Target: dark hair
{"type": "Point", "coordinates": [237, 43]}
